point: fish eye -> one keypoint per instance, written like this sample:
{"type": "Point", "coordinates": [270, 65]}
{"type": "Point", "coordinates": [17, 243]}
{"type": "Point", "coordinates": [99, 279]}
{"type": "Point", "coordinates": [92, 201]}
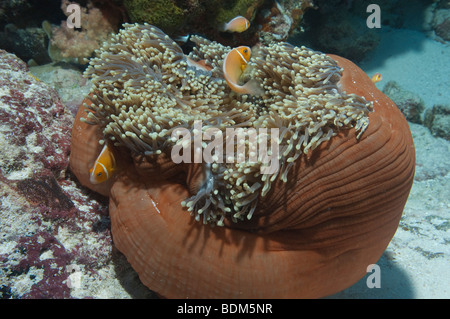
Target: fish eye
{"type": "Point", "coordinates": [99, 174]}
{"type": "Point", "coordinates": [245, 51]}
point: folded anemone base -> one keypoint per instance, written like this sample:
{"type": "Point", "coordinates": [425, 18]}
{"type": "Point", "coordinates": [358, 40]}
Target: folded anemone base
{"type": "Point", "coordinates": [310, 237]}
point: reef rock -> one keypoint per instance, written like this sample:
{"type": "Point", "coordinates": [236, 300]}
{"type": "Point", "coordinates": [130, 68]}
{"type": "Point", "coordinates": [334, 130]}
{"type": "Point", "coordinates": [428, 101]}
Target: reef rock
{"type": "Point", "coordinates": [196, 17]}
{"type": "Point", "coordinates": [408, 102]}
{"type": "Point", "coordinates": [66, 80]}
{"type": "Point", "coordinates": [282, 20]}
{"type": "Point", "coordinates": [338, 29]}
{"type": "Point", "coordinates": [29, 43]}
{"type": "Point", "coordinates": [437, 119]}
{"type": "Point", "coordinates": [55, 239]}
{"type": "Point", "coordinates": [440, 22]}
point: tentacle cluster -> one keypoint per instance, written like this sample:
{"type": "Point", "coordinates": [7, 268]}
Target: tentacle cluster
{"type": "Point", "coordinates": [144, 90]}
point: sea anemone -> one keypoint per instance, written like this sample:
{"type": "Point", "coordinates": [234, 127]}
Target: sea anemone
{"type": "Point", "coordinates": [344, 167]}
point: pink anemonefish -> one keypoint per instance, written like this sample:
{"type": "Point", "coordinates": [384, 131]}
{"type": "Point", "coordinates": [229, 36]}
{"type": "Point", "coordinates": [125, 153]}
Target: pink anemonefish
{"type": "Point", "coordinates": [238, 24]}
{"type": "Point", "coordinates": [201, 64]}
{"type": "Point", "coordinates": [377, 77]}
{"type": "Point", "coordinates": [104, 166]}
{"type": "Point", "coordinates": [234, 65]}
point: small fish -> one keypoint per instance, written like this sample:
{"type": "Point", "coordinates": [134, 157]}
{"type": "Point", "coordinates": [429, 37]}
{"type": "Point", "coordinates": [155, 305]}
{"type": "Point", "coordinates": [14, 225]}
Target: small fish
{"type": "Point", "coordinates": [183, 38]}
{"type": "Point", "coordinates": [234, 65]}
{"type": "Point", "coordinates": [104, 166]}
{"type": "Point", "coordinates": [377, 77]}
{"type": "Point", "coordinates": [188, 37]}
{"type": "Point", "coordinates": [201, 64]}
{"type": "Point", "coordinates": [34, 77]}
{"type": "Point", "coordinates": [238, 24]}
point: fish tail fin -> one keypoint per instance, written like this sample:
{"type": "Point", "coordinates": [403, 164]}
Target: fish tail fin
{"type": "Point", "coordinates": [223, 27]}
{"type": "Point", "coordinates": [182, 38]}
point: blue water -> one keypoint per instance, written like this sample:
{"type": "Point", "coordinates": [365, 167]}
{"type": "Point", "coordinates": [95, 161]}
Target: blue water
{"type": "Point", "coordinates": [414, 60]}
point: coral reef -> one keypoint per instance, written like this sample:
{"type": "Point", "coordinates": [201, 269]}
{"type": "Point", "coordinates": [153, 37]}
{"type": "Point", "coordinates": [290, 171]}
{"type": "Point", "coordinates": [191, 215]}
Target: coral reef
{"type": "Point", "coordinates": [29, 43]}
{"type": "Point", "coordinates": [339, 26]}
{"type": "Point", "coordinates": [224, 12]}
{"type": "Point", "coordinates": [271, 21]}
{"type": "Point", "coordinates": [26, 13]}
{"type": "Point", "coordinates": [66, 80]}
{"type": "Point", "coordinates": [437, 119]}
{"type": "Point", "coordinates": [183, 17]}
{"type": "Point", "coordinates": [335, 29]}
{"type": "Point", "coordinates": [441, 20]}
{"type": "Point", "coordinates": [409, 103]}
{"type": "Point", "coordinates": [168, 15]}
{"type": "Point", "coordinates": [331, 207]}
{"type": "Point", "coordinates": [437, 20]}
{"type": "Point", "coordinates": [71, 44]}
{"type": "Point", "coordinates": [282, 19]}
{"type": "Point", "coordinates": [48, 225]}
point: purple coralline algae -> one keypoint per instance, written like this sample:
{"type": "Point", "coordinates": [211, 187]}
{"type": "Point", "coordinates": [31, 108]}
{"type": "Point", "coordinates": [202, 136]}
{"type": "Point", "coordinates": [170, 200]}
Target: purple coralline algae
{"type": "Point", "coordinates": [55, 240]}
